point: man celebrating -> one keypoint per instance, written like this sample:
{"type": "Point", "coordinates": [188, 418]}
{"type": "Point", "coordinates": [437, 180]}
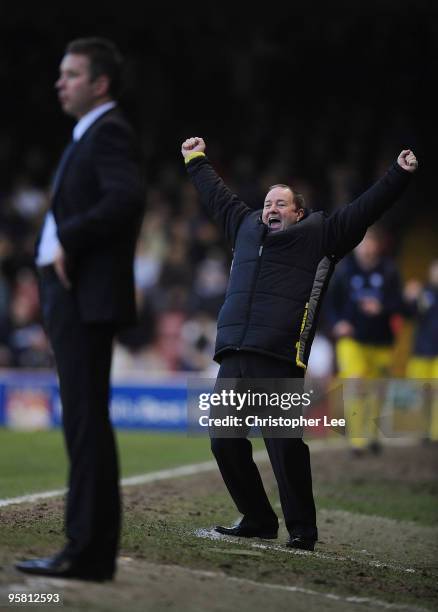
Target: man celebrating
{"type": "Point", "coordinates": [85, 261]}
{"type": "Point", "coordinates": [283, 259]}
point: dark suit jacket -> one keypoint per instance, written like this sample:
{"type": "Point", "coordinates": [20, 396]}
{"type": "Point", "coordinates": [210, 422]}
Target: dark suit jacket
{"type": "Point", "coordinates": [98, 207]}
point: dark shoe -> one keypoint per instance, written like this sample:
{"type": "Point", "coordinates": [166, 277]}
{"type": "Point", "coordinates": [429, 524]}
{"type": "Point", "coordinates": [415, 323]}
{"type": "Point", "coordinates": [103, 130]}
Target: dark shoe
{"type": "Point", "coordinates": [375, 447]}
{"type": "Point", "coordinates": [60, 566]}
{"type": "Point", "coordinates": [243, 530]}
{"type": "Point", "coordinates": [301, 543]}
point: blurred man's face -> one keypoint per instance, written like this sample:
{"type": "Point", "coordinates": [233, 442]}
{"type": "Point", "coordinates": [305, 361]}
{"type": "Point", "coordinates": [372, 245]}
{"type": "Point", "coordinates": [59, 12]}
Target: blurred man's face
{"type": "Point", "coordinates": [76, 92]}
{"type": "Point", "coordinates": [279, 210]}
{"type": "Point", "coordinates": [433, 273]}
{"type": "Point", "coordinates": [368, 251]}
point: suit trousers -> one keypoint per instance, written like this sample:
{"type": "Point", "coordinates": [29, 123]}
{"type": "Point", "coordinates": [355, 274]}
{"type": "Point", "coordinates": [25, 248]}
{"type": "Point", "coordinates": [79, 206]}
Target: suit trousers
{"type": "Point", "coordinates": [289, 457]}
{"type": "Point", "coordinates": [83, 355]}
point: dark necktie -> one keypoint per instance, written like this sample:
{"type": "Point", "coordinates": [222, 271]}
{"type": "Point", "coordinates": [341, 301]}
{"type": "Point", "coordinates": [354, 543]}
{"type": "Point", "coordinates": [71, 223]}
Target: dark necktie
{"type": "Point", "coordinates": [62, 165]}
{"type": "Point", "coordinates": [55, 183]}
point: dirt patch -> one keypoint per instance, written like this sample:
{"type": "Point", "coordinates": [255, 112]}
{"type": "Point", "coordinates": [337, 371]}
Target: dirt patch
{"type": "Point", "coordinates": [358, 555]}
{"type": "Point", "coordinates": [143, 587]}
{"type": "Point", "coordinates": [407, 464]}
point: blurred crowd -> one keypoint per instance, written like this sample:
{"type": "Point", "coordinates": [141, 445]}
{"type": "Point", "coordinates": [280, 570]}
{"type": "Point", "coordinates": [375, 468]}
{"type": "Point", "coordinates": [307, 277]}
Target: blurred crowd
{"type": "Point", "coordinates": [181, 271]}
{"type": "Point", "coordinates": [299, 99]}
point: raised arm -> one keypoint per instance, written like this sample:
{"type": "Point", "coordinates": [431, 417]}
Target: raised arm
{"type": "Point", "coordinates": [226, 209]}
{"type": "Point", "coordinates": [346, 227]}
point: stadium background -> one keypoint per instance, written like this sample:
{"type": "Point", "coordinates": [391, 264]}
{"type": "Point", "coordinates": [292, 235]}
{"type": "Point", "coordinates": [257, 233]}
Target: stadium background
{"type": "Point", "coordinates": [324, 101]}
{"type": "Point", "coordinates": [320, 98]}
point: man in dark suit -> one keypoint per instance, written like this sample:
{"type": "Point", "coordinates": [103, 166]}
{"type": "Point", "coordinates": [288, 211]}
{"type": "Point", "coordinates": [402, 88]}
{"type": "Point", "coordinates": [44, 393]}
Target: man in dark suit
{"type": "Point", "coordinates": [85, 260]}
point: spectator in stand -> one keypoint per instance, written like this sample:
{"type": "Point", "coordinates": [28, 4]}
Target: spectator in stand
{"type": "Point", "coordinates": [364, 295]}
{"type": "Point", "coordinates": [199, 335]}
{"type": "Point", "coordinates": [27, 340]}
{"type": "Point", "coordinates": [27, 200]}
{"type": "Point", "coordinates": [423, 302]}
{"type": "Point", "coordinates": [210, 283]}
{"type": "Point", "coordinates": [5, 353]}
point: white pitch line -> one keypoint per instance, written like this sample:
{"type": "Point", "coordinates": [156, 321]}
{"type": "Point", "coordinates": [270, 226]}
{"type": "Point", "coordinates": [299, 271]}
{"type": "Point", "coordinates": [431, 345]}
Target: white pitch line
{"type": "Point", "coordinates": [378, 603]}
{"type": "Point", "coordinates": [211, 534]}
{"type": "Point", "coordinates": [183, 470]}
{"type": "Point", "coordinates": [382, 564]}
{"type": "Point", "coordinates": [177, 472]}
{"type": "Point", "coordinates": [31, 498]}
{"type": "Point", "coordinates": [30, 584]}
{"type": "Point", "coordinates": [196, 468]}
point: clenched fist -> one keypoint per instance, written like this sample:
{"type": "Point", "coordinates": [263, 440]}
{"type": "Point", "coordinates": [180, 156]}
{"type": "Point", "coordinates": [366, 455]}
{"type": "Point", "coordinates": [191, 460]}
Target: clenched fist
{"type": "Point", "coordinates": [407, 161]}
{"type": "Point", "coordinates": [192, 145]}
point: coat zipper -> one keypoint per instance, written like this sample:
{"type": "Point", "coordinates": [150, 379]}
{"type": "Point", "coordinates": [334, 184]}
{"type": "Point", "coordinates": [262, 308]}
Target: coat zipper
{"type": "Point", "coordinates": [256, 275]}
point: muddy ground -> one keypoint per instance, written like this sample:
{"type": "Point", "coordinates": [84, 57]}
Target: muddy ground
{"type": "Point", "coordinates": [365, 560]}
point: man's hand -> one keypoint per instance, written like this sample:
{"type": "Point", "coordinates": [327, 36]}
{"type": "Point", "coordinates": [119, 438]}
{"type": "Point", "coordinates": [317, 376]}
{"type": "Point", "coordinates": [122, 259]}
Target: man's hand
{"type": "Point", "coordinates": [192, 145]}
{"type": "Point", "coordinates": [61, 268]}
{"type": "Point", "coordinates": [343, 329]}
{"type": "Point", "coordinates": [407, 161]}
{"type": "Point", "coordinates": [370, 306]}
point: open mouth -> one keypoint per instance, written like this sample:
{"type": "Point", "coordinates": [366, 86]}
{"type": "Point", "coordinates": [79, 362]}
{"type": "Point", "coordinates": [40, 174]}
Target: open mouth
{"type": "Point", "coordinates": [274, 223]}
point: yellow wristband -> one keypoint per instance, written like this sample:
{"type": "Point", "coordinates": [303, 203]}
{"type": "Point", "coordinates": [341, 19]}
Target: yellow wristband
{"type": "Point", "coordinates": [191, 156]}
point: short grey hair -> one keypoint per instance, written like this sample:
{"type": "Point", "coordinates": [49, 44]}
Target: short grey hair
{"type": "Point", "coordinates": [297, 198]}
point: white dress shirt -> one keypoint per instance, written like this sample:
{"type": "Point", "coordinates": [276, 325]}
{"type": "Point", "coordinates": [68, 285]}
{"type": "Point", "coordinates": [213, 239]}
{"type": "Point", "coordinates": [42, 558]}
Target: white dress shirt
{"type": "Point", "coordinates": [49, 242]}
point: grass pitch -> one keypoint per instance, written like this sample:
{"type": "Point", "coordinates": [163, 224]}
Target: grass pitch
{"type": "Point", "coordinates": [378, 543]}
{"type": "Point", "coordinates": [36, 461]}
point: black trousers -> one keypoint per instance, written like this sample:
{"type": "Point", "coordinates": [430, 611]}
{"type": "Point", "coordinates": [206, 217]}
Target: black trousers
{"type": "Point", "coordinates": [83, 355]}
{"type": "Point", "coordinates": [290, 458]}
